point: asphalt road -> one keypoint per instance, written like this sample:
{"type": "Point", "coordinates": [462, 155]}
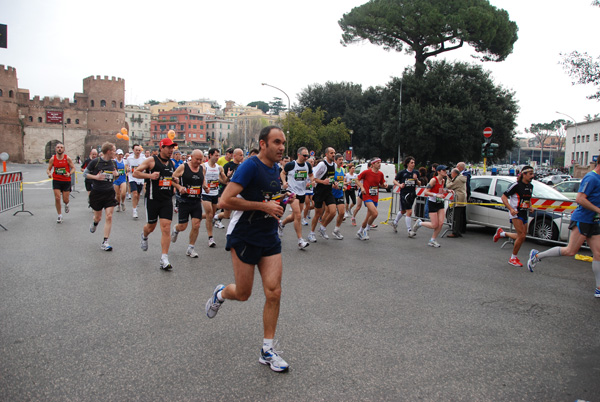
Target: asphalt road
{"type": "Point", "coordinates": [385, 319]}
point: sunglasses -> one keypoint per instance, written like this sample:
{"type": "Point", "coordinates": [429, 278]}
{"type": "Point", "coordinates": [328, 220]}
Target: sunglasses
{"type": "Point", "coordinates": [306, 156]}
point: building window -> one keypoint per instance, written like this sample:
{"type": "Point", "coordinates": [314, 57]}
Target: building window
{"type": "Point", "coordinates": [0, 92]}
{"type": "Point", "coordinates": [163, 127]}
{"type": "Point", "coordinates": [121, 105]}
{"type": "Point", "coordinates": [182, 127]}
{"type": "Point", "coordinates": [587, 138]}
{"type": "Point", "coordinates": [113, 104]}
{"type": "Point", "coordinates": [194, 126]}
{"type": "Point", "coordinates": [69, 120]}
{"type": "Point", "coordinates": [578, 139]}
{"type": "Point", "coordinates": [39, 119]}
{"type": "Point", "coordinates": [11, 93]}
{"type": "Point", "coordinates": [31, 118]}
{"type": "Point", "coordinates": [596, 137]}
{"type": "Point", "coordinates": [102, 103]}
{"type": "Point", "coordinates": [76, 121]}
{"type": "Point", "coordinates": [92, 103]}
{"type": "Point", "coordinates": [172, 126]}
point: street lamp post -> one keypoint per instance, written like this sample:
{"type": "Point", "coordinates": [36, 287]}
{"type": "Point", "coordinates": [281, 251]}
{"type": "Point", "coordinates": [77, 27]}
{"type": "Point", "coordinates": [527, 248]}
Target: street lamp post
{"type": "Point", "coordinates": [351, 144]}
{"type": "Point", "coordinates": [287, 139]}
{"type": "Point", "coordinates": [574, 143]}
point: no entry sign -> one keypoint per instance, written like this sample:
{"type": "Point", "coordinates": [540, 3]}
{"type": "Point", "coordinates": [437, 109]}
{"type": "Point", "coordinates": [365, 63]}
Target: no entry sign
{"type": "Point", "coordinates": [487, 132]}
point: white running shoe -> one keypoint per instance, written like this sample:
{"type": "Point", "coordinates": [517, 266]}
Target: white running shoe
{"type": "Point", "coordinates": [144, 243]}
{"type": "Point", "coordinates": [312, 238]}
{"type": "Point", "coordinates": [416, 227]}
{"type": "Point", "coordinates": [118, 207]}
{"type": "Point", "coordinates": [394, 226]}
{"type": "Point", "coordinates": [366, 235]}
{"type": "Point", "coordinates": [174, 235]}
{"type": "Point", "coordinates": [280, 230]}
{"type": "Point", "coordinates": [304, 222]}
{"type": "Point", "coordinates": [323, 233]}
{"type": "Point", "coordinates": [123, 207]}
{"type": "Point", "coordinates": [218, 224]}
{"type": "Point", "coordinates": [93, 227]}
{"type": "Point", "coordinates": [66, 208]}
{"type": "Point", "coordinates": [105, 246]}
{"type": "Point", "coordinates": [433, 243]}
{"type": "Point", "coordinates": [302, 244]}
{"type": "Point", "coordinates": [211, 243]}
{"type": "Point", "coordinates": [337, 234]}
{"type": "Point", "coordinates": [59, 219]}
{"type": "Point", "coordinates": [191, 252]}
{"type": "Point", "coordinates": [533, 259]}
{"type": "Point", "coordinates": [165, 265]}
{"type": "Point", "coordinates": [135, 214]}
{"type": "Point", "coordinates": [214, 304]}
{"type": "Point", "coordinates": [275, 362]}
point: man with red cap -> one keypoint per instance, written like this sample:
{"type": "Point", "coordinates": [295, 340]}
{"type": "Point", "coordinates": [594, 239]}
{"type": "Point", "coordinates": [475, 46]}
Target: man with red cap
{"type": "Point", "coordinates": [158, 173]}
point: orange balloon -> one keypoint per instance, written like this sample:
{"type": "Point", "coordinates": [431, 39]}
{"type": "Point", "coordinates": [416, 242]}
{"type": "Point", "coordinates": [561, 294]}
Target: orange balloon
{"type": "Point", "coordinates": [124, 131]}
{"type": "Point", "coordinates": [125, 137]}
{"type": "Point", "coordinates": [171, 134]}
{"type": "Point", "coordinates": [120, 136]}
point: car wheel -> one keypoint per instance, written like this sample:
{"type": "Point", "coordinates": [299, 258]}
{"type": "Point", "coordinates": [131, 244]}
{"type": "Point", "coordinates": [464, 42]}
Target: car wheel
{"type": "Point", "coordinates": [543, 228]}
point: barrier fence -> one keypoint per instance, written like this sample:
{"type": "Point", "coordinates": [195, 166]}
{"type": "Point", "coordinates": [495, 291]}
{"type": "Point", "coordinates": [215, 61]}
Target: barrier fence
{"type": "Point", "coordinates": [11, 193]}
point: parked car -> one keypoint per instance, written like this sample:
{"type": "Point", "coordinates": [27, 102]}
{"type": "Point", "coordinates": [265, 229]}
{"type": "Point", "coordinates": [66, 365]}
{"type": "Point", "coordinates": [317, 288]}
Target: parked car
{"type": "Point", "coordinates": [542, 224]}
{"type": "Point", "coordinates": [568, 188]}
{"type": "Point", "coordinates": [554, 179]}
{"type": "Point", "coordinates": [388, 170]}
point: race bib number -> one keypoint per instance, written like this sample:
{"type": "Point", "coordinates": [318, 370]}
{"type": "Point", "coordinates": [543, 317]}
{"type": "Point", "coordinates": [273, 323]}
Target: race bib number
{"type": "Point", "coordinates": [108, 176]}
{"type": "Point", "coordinates": [525, 204]}
{"type": "Point", "coordinates": [60, 170]}
{"type": "Point", "coordinates": [121, 172]}
{"type": "Point", "coordinates": [194, 191]}
{"type": "Point", "coordinates": [353, 183]}
{"type": "Point", "coordinates": [300, 175]}
{"type": "Point", "coordinates": [373, 191]}
{"type": "Point", "coordinates": [165, 183]}
{"type": "Point", "coordinates": [213, 184]}
{"type": "Point", "coordinates": [439, 200]}
{"type": "Point", "coordinates": [410, 182]}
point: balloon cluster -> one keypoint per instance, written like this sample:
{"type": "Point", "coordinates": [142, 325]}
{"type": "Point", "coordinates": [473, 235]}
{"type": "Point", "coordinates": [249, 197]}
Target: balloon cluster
{"type": "Point", "coordinates": [123, 134]}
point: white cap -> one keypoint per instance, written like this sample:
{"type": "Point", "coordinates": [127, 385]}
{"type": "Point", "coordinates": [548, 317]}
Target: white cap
{"type": "Point", "coordinates": [119, 152]}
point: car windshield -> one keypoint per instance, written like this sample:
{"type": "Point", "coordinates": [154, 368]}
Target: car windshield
{"type": "Point", "coordinates": [541, 190]}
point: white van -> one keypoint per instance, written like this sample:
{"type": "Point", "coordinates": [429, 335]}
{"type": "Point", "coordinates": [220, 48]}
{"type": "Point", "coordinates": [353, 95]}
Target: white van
{"type": "Point", "coordinates": [388, 170]}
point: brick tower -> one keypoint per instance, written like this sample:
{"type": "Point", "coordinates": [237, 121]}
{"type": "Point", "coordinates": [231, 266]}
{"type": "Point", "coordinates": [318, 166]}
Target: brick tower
{"type": "Point", "coordinates": [11, 132]}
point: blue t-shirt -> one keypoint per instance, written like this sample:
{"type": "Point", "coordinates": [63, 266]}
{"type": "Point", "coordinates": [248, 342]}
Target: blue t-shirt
{"type": "Point", "coordinates": [590, 186]}
{"type": "Point", "coordinates": [339, 177]}
{"type": "Point", "coordinates": [260, 183]}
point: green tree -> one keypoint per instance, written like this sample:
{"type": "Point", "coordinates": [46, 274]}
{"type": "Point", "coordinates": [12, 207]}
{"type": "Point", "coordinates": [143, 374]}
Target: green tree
{"type": "Point", "coordinates": [152, 102]}
{"type": "Point", "coordinates": [427, 28]}
{"type": "Point", "coordinates": [310, 129]}
{"type": "Point", "coordinates": [444, 113]}
{"type": "Point", "coordinates": [264, 106]}
{"type": "Point", "coordinates": [277, 106]}
{"type": "Point", "coordinates": [543, 131]}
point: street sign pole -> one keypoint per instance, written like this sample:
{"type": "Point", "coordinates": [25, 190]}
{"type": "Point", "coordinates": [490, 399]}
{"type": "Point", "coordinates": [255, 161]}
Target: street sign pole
{"type": "Point", "coordinates": [487, 133]}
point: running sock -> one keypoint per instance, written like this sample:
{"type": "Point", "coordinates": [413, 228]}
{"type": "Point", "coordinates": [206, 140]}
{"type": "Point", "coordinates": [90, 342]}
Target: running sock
{"type": "Point", "coordinates": [513, 256]}
{"type": "Point", "coordinates": [432, 239]}
{"type": "Point", "coordinates": [323, 227]}
{"type": "Point", "coordinates": [397, 219]}
{"type": "Point", "coordinates": [220, 296]}
{"type": "Point", "coordinates": [164, 257]}
{"type": "Point", "coordinates": [190, 246]}
{"type": "Point", "coordinates": [337, 228]}
{"type": "Point", "coordinates": [267, 344]}
{"type": "Point", "coordinates": [503, 234]}
{"type": "Point", "coordinates": [408, 222]}
{"type": "Point", "coordinates": [596, 269]}
{"type": "Point", "coordinates": [553, 252]}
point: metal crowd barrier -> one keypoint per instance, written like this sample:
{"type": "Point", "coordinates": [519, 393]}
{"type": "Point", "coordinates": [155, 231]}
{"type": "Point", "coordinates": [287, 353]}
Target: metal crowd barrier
{"type": "Point", "coordinates": [11, 193]}
{"type": "Point", "coordinates": [418, 207]}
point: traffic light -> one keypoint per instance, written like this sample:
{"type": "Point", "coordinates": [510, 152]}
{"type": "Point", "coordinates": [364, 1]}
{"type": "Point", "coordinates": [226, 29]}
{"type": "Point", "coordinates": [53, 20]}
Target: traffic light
{"type": "Point", "coordinates": [485, 149]}
{"type": "Point", "coordinates": [492, 148]}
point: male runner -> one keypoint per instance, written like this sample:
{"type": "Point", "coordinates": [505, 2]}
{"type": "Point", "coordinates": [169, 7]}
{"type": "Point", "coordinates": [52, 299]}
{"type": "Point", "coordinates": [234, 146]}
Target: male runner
{"type": "Point", "coordinates": [369, 181]}
{"type": "Point", "coordinates": [103, 171]}
{"type": "Point", "coordinates": [323, 176]}
{"type": "Point", "coordinates": [309, 204]}
{"type": "Point", "coordinates": [297, 174]}
{"type": "Point", "coordinates": [225, 159]}
{"type": "Point", "coordinates": [191, 182]}
{"type": "Point", "coordinates": [158, 173]}
{"type": "Point", "coordinates": [252, 237]}
{"type": "Point", "coordinates": [136, 185]}
{"type": "Point", "coordinates": [407, 180]}
{"type": "Point", "coordinates": [214, 175]}
{"type": "Point", "coordinates": [585, 225]}
{"type": "Point", "coordinates": [88, 183]}
{"type": "Point", "coordinates": [61, 178]}
{"type": "Point", "coordinates": [517, 198]}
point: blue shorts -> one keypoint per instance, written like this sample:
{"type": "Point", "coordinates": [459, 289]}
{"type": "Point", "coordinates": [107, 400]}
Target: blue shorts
{"type": "Point", "coordinates": [119, 181]}
{"type": "Point", "coordinates": [521, 219]}
{"type": "Point", "coordinates": [376, 203]}
{"type": "Point", "coordinates": [248, 253]}
{"type": "Point", "coordinates": [134, 186]}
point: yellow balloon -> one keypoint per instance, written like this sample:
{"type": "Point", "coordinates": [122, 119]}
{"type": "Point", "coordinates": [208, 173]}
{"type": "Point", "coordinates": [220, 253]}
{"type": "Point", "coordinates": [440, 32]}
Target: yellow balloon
{"type": "Point", "coordinates": [126, 137]}
{"type": "Point", "coordinates": [119, 136]}
{"type": "Point", "coordinates": [171, 134]}
{"type": "Point", "coordinates": [124, 131]}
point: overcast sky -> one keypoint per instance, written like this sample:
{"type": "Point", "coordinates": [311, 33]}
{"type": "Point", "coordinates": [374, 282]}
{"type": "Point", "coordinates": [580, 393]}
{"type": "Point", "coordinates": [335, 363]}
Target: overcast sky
{"type": "Point", "coordinates": [185, 50]}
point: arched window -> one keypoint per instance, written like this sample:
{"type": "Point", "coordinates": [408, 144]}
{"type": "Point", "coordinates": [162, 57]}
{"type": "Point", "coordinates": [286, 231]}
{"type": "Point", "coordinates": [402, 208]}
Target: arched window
{"type": "Point", "coordinates": [69, 121]}
{"type": "Point", "coordinates": [113, 104]}
{"type": "Point", "coordinates": [76, 121]}
{"type": "Point", "coordinates": [121, 105]}
{"type": "Point", "coordinates": [39, 119]}
{"type": "Point", "coordinates": [31, 118]}
{"type": "Point", "coordinates": [102, 103]}
{"type": "Point", "coordinates": [0, 92]}
{"type": "Point", "coordinates": [10, 93]}
{"type": "Point", "coordinates": [92, 103]}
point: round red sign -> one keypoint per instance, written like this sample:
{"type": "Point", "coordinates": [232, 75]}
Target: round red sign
{"type": "Point", "coordinates": [487, 132]}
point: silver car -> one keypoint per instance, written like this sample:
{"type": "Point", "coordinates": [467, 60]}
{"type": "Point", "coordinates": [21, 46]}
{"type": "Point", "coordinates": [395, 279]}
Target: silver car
{"type": "Point", "coordinates": [543, 224]}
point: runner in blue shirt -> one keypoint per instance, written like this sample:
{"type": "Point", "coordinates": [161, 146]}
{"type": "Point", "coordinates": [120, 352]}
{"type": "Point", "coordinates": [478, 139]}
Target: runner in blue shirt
{"type": "Point", "coordinates": [253, 194]}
